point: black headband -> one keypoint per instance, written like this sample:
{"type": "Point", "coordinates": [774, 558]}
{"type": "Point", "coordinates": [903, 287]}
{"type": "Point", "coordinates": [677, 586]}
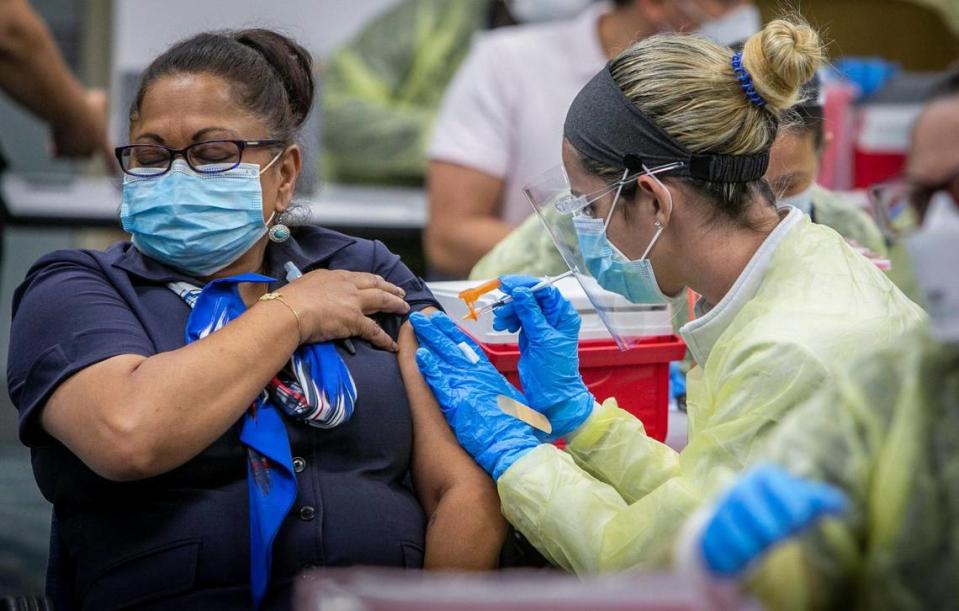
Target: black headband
{"type": "Point", "coordinates": [604, 125]}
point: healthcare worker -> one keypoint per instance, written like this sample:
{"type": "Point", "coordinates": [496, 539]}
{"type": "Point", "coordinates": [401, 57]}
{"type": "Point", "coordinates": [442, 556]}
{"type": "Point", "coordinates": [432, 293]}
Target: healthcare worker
{"type": "Point", "coordinates": [793, 167]}
{"type": "Point", "coordinates": [665, 151]}
{"type": "Point", "coordinates": [885, 436]}
{"type": "Point", "coordinates": [794, 162]}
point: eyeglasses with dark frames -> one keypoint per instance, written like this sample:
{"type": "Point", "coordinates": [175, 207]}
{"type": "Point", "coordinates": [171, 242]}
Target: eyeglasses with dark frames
{"type": "Point", "coordinates": [209, 157]}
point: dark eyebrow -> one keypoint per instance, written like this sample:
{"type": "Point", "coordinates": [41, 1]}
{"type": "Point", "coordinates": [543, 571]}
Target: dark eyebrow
{"type": "Point", "coordinates": [207, 130]}
{"type": "Point", "coordinates": [149, 136]}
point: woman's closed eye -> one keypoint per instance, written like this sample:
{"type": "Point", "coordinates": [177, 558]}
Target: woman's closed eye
{"type": "Point", "coordinates": [214, 152]}
{"type": "Point", "coordinates": [150, 157]}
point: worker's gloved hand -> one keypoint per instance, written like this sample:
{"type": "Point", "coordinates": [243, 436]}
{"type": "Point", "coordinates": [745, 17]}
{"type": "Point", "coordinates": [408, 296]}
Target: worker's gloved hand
{"type": "Point", "coordinates": [467, 392]}
{"type": "Point", "coordinates": [764, 507]}
{"type": "Point", "coordinates": [548, 328]}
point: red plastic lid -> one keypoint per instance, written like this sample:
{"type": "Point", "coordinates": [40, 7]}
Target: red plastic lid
{"type": "Point", "coordinates": [602, 353]}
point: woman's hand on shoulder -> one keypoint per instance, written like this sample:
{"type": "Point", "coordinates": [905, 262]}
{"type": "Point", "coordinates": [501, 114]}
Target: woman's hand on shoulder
{"type": "Point", "coordinates": [337, 304]}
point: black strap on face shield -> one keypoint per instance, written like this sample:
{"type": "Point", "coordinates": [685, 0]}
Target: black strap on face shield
{"type": "Point", "coordinates": [605, 126]}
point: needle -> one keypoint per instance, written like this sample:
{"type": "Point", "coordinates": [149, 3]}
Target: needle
{"type": "Point", "coordinates": [536, 287]}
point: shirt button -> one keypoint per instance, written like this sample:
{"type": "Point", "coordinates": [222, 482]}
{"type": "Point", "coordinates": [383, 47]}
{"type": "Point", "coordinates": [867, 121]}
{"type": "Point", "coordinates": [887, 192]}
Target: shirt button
{"type": "Point", "coordinates": [298, 464]}
{"type": "Point", "coordinates": [307, 513]}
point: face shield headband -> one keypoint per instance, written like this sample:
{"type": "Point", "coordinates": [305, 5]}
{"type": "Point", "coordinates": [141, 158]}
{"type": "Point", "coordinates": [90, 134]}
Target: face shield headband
{"type": "Point", "coordinates": [604, 125]}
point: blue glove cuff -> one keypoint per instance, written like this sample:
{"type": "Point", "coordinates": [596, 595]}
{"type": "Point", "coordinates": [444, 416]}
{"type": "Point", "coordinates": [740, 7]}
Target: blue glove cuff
{"type": "Point", "coordinates": [501, 462]}
{"type": "Point", "coordinates": [594, 406]}
{"type": "Point", "coordinates": [570, 415]}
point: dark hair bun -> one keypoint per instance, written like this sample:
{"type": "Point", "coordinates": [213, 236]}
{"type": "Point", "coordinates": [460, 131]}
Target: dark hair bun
{"type": "Point", "coordinates": [292, 63]}
{"type": "Point", "coordinates": [271, 75]}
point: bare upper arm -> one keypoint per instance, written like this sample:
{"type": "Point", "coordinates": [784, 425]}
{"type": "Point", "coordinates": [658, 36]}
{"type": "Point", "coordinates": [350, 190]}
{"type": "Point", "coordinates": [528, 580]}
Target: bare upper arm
{"type": "Point", "coordinates": [438, 459]}
{"type": "Point", "coordinates": [85, 413]}
{"type": "Point", "coordinates": [457, 192]}
{"type": "Point", "coordinates": [464, 221]}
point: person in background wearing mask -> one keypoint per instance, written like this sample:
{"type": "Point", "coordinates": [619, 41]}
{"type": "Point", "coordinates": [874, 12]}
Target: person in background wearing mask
{"type": "Point", "coordinates": [381, 91]}
{"type": "Point", "coordinates": [794, 165]}
{"type": "Point", "coordinates": [205, 430]}
{"type": "Point", "coordinates": [879, 451]}
{"type": "Point", "coordinates": [662, 186]}
{"type": "Point", "coordinates": [501, 121]}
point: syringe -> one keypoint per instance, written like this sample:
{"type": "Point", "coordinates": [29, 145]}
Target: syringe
{"type": "Point", "coordinates": [545, 282]}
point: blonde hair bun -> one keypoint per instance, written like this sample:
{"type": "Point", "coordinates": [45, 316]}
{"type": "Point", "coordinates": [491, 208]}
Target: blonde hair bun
{"type": "Point", "coordinates": [781, 59]}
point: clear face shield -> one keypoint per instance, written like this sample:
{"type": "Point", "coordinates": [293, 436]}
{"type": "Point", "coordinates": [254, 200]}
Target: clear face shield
{"type": "Point", "coordinates": [622, 291]}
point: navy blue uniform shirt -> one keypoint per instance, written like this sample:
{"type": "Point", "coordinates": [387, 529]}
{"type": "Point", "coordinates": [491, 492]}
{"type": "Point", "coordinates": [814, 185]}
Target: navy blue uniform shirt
{"type": "Point", "coordinates": [181, 539]}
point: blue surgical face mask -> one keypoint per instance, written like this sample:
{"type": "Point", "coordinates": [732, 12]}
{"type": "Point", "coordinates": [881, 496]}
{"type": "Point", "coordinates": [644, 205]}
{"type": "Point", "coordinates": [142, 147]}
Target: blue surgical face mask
{"type": "Point", "coordinates": [802, 200]}
{"type": "Point", "coordinates": [614, 271]}
{"type": "Point", "coordinates": [196, 223]}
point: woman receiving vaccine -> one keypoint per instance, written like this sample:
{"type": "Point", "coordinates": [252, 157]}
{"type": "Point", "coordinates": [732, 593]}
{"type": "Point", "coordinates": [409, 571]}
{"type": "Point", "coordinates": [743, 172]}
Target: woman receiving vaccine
{"type": "Point", "coordinates": [204, 430]}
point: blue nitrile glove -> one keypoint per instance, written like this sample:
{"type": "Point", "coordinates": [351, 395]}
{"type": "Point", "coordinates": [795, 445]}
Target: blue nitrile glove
{"type": "Point", "coordinates": [764, 507]}
{"type": "Point", "coordinates": [467, 393]}
{"type": "Point", "coordinates": [549, 357]}
{"type": "Point", "coordinates": [677, 380]}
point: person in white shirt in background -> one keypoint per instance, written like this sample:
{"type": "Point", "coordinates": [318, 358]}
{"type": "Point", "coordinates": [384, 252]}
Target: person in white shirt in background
{"type": "Point", "coordinates": [501, 122]}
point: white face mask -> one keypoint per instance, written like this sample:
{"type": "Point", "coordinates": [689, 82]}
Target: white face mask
{"type": "Point", "coordinates": [801, 200]}
{"type": "Point", "coordinates": [735, 26]}
{"type": "Point", "coordinates": [934, 250]}
{"type": "Point", "coordinates": [533, 11]}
